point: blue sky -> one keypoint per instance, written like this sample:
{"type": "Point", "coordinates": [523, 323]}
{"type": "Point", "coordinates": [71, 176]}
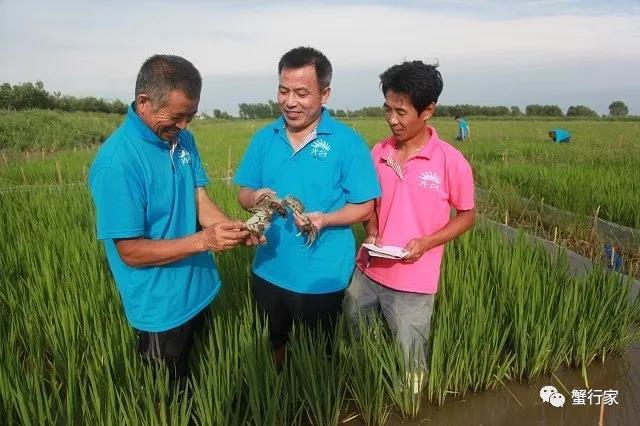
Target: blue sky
{"type": "Point", "coordinates": [490, 52]}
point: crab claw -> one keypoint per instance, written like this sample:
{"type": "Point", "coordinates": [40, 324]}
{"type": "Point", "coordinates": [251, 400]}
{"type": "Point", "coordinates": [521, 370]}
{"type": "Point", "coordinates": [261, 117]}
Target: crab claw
{"type": "Point", "coordinates": [293, 203]}
{"type": "Point", "coordinates": [271, 203]}
{"type": "Point", "coordinates": [259, 222]}
{"type": "Point", "coordinates": [311, 234]}
{"type": "Point", "coordinates": [279, 209]}
{"type": "Point", "coordinates": [305, 225]}
{"type": "Point", "coordinates": [307, 228]}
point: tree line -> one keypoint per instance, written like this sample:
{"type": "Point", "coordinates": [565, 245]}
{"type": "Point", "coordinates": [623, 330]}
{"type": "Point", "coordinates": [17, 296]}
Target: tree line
{"type": "Point", "coordinates": [34, 96]}
{"type": "Point", "coordinates": [272, 110]}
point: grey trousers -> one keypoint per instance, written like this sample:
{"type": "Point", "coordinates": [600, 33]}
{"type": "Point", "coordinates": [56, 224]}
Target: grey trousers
{"type": "Point", "coordinates": [408, 315]}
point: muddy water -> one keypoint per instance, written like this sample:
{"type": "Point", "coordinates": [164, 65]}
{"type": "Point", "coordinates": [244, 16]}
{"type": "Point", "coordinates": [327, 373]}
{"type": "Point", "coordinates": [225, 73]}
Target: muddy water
{"type": "Point", "coordinates": [520, 404]}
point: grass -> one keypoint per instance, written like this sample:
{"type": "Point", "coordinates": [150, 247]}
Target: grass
{"type": "Point", "coordinates": [37, 130]}
{"type": "Point", "coordinates": [67, 356]}
{"type": "Point", "coordinates": [595, 172]}
{"type": "Point", "coordinates": [503, 311]}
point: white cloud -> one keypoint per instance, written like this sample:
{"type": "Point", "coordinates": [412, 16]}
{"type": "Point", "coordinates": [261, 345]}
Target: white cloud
{"type": "Point", "coordinates": [97, 47]}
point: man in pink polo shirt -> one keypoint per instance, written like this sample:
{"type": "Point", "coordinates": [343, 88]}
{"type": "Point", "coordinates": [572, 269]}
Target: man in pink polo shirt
{"type": "Point", "coordinates": [422, 178]}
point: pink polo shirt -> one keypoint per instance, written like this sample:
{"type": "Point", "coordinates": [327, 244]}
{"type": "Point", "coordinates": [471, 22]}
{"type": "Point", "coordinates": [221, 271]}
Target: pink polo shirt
{"type": "Point", "coordinates": [416, 201]}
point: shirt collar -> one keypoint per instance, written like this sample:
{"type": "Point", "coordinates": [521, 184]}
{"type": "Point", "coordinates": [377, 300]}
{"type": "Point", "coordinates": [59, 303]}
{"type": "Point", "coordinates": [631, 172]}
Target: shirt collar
{"type": "Point", "coordinates": [134, 123]}
{"type": "Point", "coordinates": [426, 151]}
{"type": "Point", "coordinates": [324, 126]}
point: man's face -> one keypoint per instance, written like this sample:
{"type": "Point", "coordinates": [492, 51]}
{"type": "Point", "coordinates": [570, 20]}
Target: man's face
{"type": "Point", "coordinates": [300, 97]}
{"type": "Point", "coordinates": [168, 119]}
{"type": "Point", "coordinates": [402, 117]}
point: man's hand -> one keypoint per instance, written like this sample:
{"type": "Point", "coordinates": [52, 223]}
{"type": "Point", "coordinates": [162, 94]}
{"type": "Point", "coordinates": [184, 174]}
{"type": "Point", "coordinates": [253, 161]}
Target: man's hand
{"type": "Point", "coordinates": [223, 236]}
{"type": "Point", "coordinates": [318, 219]}
{"type": "Point", "coordinates": [253, 240]}
{"type": "Point", "coordinates": [416, 248]}
{"type": "Point", "coordinates": [373, 239]}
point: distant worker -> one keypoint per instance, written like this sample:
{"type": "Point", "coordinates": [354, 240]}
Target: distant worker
{"type": "Point", "coordinates": [463, 129]}
{"type": "Point", "coordinates": [560, 135]}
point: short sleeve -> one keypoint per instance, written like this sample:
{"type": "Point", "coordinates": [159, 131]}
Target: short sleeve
{"type": "Point", "coordinates": [461, 187]}
{"type": "Point", "coordinates": [359, 179]}
{"type": "Point", "coordinates": [249, 171]}
{"type": "Point", "coordinates": [119, 202]}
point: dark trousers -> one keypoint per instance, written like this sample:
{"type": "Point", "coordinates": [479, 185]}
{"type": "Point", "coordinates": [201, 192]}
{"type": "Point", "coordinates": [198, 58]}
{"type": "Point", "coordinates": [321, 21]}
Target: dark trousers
{"type": "Point", "coordinates": [171, 347]}
{"type": "Point", "coordinates": [282, 307]}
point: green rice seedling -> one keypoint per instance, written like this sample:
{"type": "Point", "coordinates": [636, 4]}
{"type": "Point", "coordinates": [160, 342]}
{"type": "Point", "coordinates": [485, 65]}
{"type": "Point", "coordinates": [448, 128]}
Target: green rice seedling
{"type": "Point", "coordinates": [605, 317]}
{"type": "Point", "coordinates": [217, 387]}
{"type": "Point", "coordinates": [397, 377]}
{"type": "Point", "coordinates": [503, 310]}
{"type": "Point", "coordinates": [53, 130]}
{"type": "Point", "coordinates": [533, 295]}
{"type": "Point", "coordinates": [469, 330]}
{"type": "Point", "coordinates": [365, 380]}
{"type": "Point", "coordinates": [266, 395]}
{"type": "Point", "coordinates": [318, 373]}
{"type": "Point", "coordinates": [151, 400]}
{"type": "Point", "coordinates": [34, 403]}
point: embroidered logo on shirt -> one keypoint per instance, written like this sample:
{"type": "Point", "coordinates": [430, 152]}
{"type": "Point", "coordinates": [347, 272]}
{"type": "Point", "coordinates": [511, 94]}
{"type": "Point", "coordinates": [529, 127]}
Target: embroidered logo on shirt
{"type": "Point", "coordinates": [185, 157]}
{"type": "Point", "coordinates": [320, 148]}
{"type": "Point", "coordinates": [429, 180]}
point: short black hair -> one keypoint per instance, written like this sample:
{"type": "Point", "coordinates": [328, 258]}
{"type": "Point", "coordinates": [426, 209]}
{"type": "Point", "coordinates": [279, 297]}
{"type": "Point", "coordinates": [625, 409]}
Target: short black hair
{"type": "Point", "coordinates": [161, 74]}
{"type": "Point", "coordinates": [301, 57]}
{"type": "Point", "coordinates": [456, 117]}
{"type": "Point", "coordinates": [422, 83]}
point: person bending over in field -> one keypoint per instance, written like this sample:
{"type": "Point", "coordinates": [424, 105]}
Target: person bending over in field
{"type": "Point", "coordinates": [147, 183]}
{"type": "Point", "coordinates": [421, 177]}
{"type": "Point", "coordinates": [323, 163]}
{"type": "Point", "coordinates": [560, 135]}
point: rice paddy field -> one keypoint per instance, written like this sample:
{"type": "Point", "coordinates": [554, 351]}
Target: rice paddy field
{"type": "Point", "coordinates": [507, 314]}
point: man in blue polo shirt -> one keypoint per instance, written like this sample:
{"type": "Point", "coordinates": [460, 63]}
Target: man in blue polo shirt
{"type": "Point", "coordinates": [147, 184]}
{"type": "Point", "coordinates": [326, 165]}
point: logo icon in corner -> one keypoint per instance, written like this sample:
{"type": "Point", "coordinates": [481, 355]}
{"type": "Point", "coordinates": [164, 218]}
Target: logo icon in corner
{"type": "Point", "coordinates": [185, 157]}
{"type": "Point", "coordinates": [320, 148]}
{"type": "Point", "coordinates": [429, 180]}
{"type": "Point", "coordinates": [551, 395]}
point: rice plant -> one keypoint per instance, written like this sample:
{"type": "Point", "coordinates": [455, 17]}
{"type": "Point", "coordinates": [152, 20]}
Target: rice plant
{"type": "Point", "coordinates": [504, 311]}
{"type": "Point", "coordinates": [317, 373]}
{"type": "Point", "coordinates": [366, 384]}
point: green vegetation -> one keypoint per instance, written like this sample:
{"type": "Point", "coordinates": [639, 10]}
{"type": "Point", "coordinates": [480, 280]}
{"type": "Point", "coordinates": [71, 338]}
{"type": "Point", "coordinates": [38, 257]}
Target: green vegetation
{"type": "Point", "coordinates": [618, 109]}
{"type": "Point", "coordinates": [512, 159]}
{"type": "Point", "coordinates": [596, 171]}
{"type": "Point", "coordinates": [24, 96]}
{"type": "Point", "coordinates": [36, 130]}
{"type": "Point", "coordinates": [502, 312]}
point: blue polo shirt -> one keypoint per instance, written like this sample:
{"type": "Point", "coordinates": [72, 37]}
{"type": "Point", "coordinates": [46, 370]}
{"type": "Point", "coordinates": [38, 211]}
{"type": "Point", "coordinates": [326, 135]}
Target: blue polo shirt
{"type": "Point", "coordinates": [463, 128]}
{"type": "Point", "coordinates": [331, 170]}
{"type": "Point", "coordinates": [561, 135]}
{"type": "Point", "coordinates": [142, 188]}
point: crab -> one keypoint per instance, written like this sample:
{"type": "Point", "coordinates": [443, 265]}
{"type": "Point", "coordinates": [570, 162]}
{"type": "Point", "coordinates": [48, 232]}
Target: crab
{"type": "Point", "coordinates": [272, 204]}
{"type": "Point", "coordinates": [259, 222]}
{"type": "Point", "coordinates": [307, 228]}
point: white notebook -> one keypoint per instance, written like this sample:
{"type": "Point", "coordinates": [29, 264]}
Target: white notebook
{"type": "Point", "coordinates": [388, 252]}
